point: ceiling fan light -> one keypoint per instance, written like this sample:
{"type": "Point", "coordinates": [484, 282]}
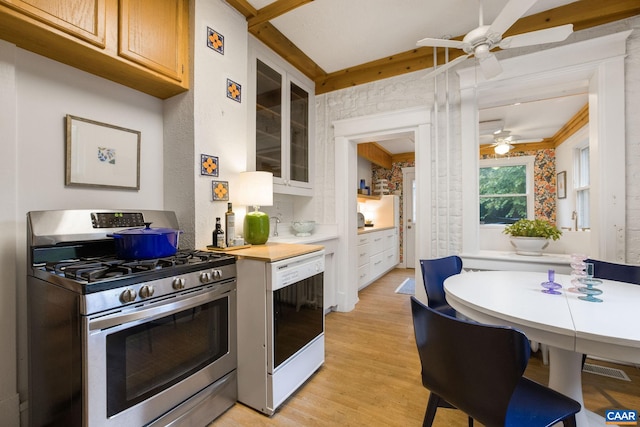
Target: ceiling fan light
{"type": "Point", "coordinates": [482, 51]}
{"type": "Point", "coordinates": [502, 148]}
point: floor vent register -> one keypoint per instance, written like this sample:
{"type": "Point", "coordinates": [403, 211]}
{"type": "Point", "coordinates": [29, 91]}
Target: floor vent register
{"type": "Point", "coordinates": [605, 371]}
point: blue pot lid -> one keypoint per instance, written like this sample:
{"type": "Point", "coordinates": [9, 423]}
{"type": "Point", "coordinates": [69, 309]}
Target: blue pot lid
{"type": "Point", "coordinates": [148, 231]}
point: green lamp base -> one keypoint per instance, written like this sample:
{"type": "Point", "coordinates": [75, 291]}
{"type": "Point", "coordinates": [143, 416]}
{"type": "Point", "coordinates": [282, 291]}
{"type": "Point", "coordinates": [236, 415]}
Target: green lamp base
{"type": "Point", "coordinates": [256, 228]}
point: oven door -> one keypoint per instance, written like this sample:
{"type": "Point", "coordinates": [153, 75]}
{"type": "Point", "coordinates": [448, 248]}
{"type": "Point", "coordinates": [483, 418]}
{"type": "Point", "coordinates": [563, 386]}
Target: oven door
{"type": "Point", "coordinates": [295, 301]}
{"type": "Point", "coordinates": [146, 360]}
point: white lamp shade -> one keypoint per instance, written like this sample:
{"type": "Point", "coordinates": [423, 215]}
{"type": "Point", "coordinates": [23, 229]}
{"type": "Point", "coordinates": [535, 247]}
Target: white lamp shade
{"type": "Point", "coordinates": [255, 189]}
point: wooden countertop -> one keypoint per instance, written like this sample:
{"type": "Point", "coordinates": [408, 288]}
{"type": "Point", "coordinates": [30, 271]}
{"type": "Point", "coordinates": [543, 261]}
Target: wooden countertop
{"type": "Point", "coordinates": [270, 252]}
{"type": "Point", "coordinates": [366, 230]}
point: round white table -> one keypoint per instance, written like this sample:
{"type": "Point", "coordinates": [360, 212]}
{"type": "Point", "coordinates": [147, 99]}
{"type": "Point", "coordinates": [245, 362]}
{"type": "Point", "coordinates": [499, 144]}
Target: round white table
{"type": "Point", "coordinates": [569, 326]}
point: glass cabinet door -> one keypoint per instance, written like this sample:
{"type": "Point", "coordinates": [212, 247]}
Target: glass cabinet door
{"type": "Point", "coordinates": [268, 120]}
{"type": "Point", "coordinates": [284, 120]}
{"type": "Point", "coordinates": [299, 134]}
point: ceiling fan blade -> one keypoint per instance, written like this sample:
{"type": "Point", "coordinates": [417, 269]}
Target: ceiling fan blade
{"type": "Point", "coordinates": [446, 66]}
{"type": "Point", "coordinates": [490, 66]}
{"type": "Point", "coordinates": [548, 35]}
{"type": "Point", "coordinates": [457, 44]}
{"type": "Point", "coordinates": [509, 15]}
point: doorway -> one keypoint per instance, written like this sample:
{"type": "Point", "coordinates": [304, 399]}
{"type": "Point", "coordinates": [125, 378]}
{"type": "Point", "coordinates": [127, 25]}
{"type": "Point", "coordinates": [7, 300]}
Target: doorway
{"type": "Point", "coordinates": [347, 134]}
{"type": "Point", "coordinates": [595, 64]}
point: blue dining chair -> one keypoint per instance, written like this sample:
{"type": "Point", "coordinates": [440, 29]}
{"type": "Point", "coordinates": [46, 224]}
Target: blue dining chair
{"type": "Point", "coordinates": [434, 272]}
{"type": "Point", "coordinates": [612, 271]}
{"type": "Point", "coordinates": [479, 369]}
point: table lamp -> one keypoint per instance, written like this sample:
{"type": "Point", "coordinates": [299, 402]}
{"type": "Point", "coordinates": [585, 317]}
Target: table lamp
{"type": "Point", "coordinates": [255, 189]}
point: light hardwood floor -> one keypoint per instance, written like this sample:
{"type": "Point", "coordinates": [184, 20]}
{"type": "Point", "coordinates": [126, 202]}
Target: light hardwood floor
{"type": "Point", "coordinates": [371, 374]}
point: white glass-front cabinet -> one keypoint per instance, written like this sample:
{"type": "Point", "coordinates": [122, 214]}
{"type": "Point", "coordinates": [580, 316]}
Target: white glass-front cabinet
{"type": "Point", "coordinates": [284, 105]}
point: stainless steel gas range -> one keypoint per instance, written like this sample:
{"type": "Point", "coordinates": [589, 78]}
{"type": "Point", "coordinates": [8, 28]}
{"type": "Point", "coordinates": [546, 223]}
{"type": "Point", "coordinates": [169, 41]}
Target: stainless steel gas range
{"type": "Point", "coordinates": [117, 342]}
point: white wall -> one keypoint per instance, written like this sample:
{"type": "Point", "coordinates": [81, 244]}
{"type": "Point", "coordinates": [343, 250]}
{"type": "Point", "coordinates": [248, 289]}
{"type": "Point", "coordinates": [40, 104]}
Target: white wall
{"type": "Point", "coordinates": [205, 121]}
{"type": "Point", "coordinates": [37, 93]}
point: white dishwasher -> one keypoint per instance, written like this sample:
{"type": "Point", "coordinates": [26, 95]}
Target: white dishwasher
{"type": "Point", "coordinates": [280, 327]}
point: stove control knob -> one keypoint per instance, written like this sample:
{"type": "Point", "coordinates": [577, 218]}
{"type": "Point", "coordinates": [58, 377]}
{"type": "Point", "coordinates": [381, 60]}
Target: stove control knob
{"type": "Point", "coordinates": [146, 291]}
{"type": "Point", "coordinates": [217, 274]}
{"type": "Point", "coordinates": [128, 295]}
{"type": "Point", "coordinates": [178, 283]}
{"type": "Point", "coordinates": [205, 277]}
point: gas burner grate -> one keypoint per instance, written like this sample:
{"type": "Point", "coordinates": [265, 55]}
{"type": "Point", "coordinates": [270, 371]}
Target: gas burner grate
{"type": "Point", "coordinates": [92, 269]}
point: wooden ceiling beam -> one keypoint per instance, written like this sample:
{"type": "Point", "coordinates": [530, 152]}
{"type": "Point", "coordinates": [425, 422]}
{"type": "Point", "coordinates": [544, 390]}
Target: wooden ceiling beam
{"type": "Point", "coordinates": [375, 154]}
{"type": "Point", "coordinates": [405, 62]}
{"type": "Point", "coordinates": [403, 158]}
{"type": "Point", "coordinates": [244, 7]}
{"type": "Point", "coordinates": [284, 47]}
{"type": "Point", "coordinates": [582, 14]}
{"type": "Point", "coordinates": [547, 143]}
{"type": "Point", "coordinates": [577, 122]}
{"type": "Point", "coordinates": [272, 37]}
{"type": "Point", "coordinates": [273, 10]}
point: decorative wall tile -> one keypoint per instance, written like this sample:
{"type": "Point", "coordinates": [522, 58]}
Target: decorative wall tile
{"type": "Point", "coordinates": [234, 90]}
{"type": "Point", "coordinates": [208, 165]}
{"type": "Point", "coordinates": [220, 190]}
{"type": "Point", "coordinates": [215, 40]}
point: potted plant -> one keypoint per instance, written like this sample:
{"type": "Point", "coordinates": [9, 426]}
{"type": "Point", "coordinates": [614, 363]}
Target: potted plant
{"type": "Point", "coordinates": [531, 236]}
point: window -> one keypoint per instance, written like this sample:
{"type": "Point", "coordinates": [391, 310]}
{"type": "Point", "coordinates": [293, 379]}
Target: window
{"type": "Point", "coordinates": [506, 190]}
{"type": "Point", "coordinates": [582, 186]}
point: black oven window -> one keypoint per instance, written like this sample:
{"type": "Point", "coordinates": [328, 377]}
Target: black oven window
{"type": "Point", "coordinates": [298, 316]}
{"type": "Point", "coordinates": [145, 359]}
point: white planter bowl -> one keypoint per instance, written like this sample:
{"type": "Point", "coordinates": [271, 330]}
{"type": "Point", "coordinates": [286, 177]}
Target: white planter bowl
{"type": "Point", "coordinates": [532, 246]}
{"type": "Point", "coordinates": [303, 228]}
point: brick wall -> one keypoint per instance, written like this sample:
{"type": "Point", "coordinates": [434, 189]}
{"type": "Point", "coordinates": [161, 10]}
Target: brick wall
{"type": "Point", "coordinates": [414, 89]}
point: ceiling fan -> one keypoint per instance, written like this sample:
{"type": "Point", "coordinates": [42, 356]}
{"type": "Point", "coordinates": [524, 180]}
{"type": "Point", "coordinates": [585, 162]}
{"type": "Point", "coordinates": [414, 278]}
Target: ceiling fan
{"type": "Point", "coordinates": [480, 41]}
{"type": "Point", "coordinates": [504, 141]}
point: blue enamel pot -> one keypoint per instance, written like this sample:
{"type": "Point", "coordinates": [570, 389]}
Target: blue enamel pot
{"type": "Point", "coordinates": [146, 243]}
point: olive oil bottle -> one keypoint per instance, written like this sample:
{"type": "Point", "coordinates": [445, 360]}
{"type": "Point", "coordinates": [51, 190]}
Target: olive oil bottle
{"type": "Point", "coordinates": [230, 224]}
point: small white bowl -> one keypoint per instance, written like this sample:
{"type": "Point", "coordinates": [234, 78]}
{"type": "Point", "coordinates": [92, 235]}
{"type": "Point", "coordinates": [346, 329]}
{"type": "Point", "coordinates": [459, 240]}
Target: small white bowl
{"type": "Point", "coordinates": [303, 228]}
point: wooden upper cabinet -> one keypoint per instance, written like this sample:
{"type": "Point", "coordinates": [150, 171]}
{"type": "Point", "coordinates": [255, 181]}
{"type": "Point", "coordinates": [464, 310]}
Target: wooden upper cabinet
{"type": "Point", "coordinates": [142, 44]}
{"type": "Point", "coordinates": [84, 19]}
{"type": "Point", "coordinates": [152, 34]}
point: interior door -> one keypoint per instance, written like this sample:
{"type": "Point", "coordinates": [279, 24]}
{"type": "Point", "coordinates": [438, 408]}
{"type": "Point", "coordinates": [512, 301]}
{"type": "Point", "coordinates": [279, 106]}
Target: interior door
{"type": "Point", "coordinates": [409, 214]}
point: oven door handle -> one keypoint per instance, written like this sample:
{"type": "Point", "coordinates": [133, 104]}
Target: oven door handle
{"type": "Point", "coordinates": [164, 308]}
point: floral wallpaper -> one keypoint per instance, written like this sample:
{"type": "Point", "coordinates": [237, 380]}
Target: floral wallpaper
{"type": "Point", "coordinates": [544, 185]}
{"type": "Point", "coordinates": [544, 173]}
{"type": "Point", "coordinates": [394, 180]}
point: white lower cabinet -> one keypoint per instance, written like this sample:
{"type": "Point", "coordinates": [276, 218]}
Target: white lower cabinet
{"type": "Point", "coordinates": [364, 267]}
{"type": "Point", "coordinates": [377, 254]}
{"type": "Point", "coordinates": [377, 265]}
{"type": "Point", "coordinates": [391, 245]}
